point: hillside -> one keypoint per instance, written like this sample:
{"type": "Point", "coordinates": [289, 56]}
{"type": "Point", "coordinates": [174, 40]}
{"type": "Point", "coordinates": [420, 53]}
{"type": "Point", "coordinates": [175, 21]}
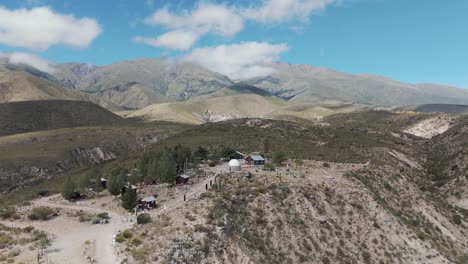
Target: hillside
{"type": "Point", "coordinates": [305, 83]}
{"type": "Point", "coordinates": [357, 189]}
{"type": "Point", "coordinates": [436, 108]}
{"type": "Point", "coordinates": [367, 197]}
{"type": "Point", "coordinates": [448, 162]}
{"type": "Point", "coordinates": [25, 83]}
{"type": "Point", "coordinates": [138, 83]}
{"type": "Point", "coordinates": [28, 116]}
{"type": "Point", "coordinates": [35, 159]}
{"type": "Point", "coordinates": [212, 109]}
{"type": "Point", "coordinates": [232, 104]}
{"type": "Point", "coordinates": [21, 86]}
{"type": "Point", "coordinates": [158, 80]}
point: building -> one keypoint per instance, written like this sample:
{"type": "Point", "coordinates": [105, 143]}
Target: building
{"type": "Point", "coordinates": [237, 155]}
{"type": "Point", "coordinates": [182, 179]}
{"type": "Point", "coordinates": [255, 160]}
{"type": "Point", "coordinates": [234, 165]}
{"type": "Point", "coordinates": [148, 202]}
{"type": "Point", "coordinates": [104, 183]}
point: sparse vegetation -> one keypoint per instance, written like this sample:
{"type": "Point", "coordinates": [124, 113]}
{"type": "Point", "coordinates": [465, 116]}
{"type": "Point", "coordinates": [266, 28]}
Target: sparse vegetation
{"type": "Point", "coordinates": [41, 213]}
{"type": "Point", "coordinates": [143, 219]}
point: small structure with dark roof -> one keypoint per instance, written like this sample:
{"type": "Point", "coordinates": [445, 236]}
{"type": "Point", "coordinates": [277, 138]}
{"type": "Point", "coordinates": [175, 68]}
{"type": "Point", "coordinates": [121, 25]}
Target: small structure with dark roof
{"type": "Point", "coordinates": [104, 183]}
{"type": "Point", "coordinates": [237, 155]}
{"type": "Point", "coordinates": [182, 179]}
{"type": "Point", "coordinates": [255, 160]}
{"type": "Point", "coordinates": [148, 202]}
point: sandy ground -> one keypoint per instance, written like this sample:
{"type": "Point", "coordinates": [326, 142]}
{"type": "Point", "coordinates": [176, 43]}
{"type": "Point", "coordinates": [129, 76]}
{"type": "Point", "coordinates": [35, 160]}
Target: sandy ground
{"type": "Point", "coordinates": [74, 241]}
{"type": "Point", "coordinates": [71, 237]}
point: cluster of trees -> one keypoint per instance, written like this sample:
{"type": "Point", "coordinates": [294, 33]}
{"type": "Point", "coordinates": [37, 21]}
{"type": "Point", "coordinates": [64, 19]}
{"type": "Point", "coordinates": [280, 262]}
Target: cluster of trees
{"type": "Point", "coordinates": [153, 167]}
{"type": "Point", "coordinates": [92, 179]}
{"type": "Point", "coordinates": [164, 165]}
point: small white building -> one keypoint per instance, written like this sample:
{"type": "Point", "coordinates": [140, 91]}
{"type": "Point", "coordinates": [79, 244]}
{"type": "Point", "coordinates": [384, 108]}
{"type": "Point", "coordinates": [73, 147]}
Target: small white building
{"type": "Point", "coordinates": [234, 165]}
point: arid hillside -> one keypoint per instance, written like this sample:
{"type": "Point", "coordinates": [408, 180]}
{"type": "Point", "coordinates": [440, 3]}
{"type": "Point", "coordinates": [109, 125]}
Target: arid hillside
{"type": "Point", "coordinates": [385, 208]}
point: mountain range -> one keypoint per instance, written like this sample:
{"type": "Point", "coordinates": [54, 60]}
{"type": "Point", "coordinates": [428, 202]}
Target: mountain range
{"type": "Point", "coordinates": [136, 84]}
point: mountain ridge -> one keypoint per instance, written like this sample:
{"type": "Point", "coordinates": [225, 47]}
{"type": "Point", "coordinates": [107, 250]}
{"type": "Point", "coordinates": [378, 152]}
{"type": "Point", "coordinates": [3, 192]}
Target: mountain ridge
{"type": "Point", "coordinates": [135, 84]}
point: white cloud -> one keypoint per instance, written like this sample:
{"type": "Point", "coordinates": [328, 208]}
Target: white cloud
{"type": "Point", "coordinates": [278, 11]}
{"type": "Point", "coordinates": [39, 28]}
{"type": "Point", "coordinates": [239, 61]}
{"type": "Point", "coordinates": [177, 40]}
{"type": "Point", "coordinates": [29, 59]}
{"type": "Point", "coordinates": [206, 18]}
{"type": "Point", "coordinates": [187, 27]}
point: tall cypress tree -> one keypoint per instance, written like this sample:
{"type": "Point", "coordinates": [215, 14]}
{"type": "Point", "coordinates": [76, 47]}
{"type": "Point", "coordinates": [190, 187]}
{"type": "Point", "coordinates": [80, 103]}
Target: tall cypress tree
{"type": "Point", "coordinates": [115, 183]}
{"type": "Point", "coordinates": [68, 191]}
{"type": "Point", "coordinates": [130, 199]}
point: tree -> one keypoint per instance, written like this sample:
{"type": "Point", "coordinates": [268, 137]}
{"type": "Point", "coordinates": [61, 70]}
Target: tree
{"type": "Point", "coordinates": [266, 147]}
{"type": "Point", "coordinates": [84, 181]}
{"type": "Point", "coordinates": [135, 176]}
{"type": "Point", "coordinates": [92, 179]}
{"type": "Point", "coordinates": [181, 154]}
{"type": "Point", "coordinates": [279, 157]}
{"type": "Point", "coordinates": [167, 167]}
{"type": "Point", "coordinates": [68, 191]}
{"type": "Point", "coordinates": [115, 183]}
{"type": "Point", "coordinates": [130, 199]}
{"type": "Point", "coordinates": [152, 172]}
{"type": "Point", "coordinates": [200, 154]}
{"type": "Point", "coordinates": [226, 152]}
{"type": "Point", "coordinates": [97, 181]}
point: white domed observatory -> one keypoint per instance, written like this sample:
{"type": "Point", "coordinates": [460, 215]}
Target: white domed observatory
{"type": "Point", "coordinates": [234, 165]}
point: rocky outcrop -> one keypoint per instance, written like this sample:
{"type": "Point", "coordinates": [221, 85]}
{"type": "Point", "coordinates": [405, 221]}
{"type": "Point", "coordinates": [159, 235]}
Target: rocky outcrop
{"type": "Point", "coordinates": [87, 156]}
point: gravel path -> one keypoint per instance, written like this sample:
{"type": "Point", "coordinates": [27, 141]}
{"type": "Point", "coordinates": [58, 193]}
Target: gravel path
{"type": "Point", "coordinates": [68, 248]}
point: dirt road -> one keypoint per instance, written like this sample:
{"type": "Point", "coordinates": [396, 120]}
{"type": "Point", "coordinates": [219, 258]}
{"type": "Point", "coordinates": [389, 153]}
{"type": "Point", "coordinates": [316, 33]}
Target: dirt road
{"type": "Point", "coordinates": [68, 247]}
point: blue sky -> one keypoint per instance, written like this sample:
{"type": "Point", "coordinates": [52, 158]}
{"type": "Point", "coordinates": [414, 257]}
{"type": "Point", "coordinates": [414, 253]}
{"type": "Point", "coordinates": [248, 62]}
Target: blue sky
{"type": "Point", "coordinates": [409, 40]}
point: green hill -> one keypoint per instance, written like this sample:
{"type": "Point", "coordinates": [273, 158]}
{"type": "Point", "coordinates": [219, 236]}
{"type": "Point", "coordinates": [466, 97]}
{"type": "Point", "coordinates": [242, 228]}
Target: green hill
{"type": "Point", "coordinates": [28, 116]}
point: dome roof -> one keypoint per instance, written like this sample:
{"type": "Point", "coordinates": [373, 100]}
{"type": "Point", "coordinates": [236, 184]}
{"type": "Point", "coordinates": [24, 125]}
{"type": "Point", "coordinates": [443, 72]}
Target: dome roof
{"type": "Point", "coordinates": [234, 163]}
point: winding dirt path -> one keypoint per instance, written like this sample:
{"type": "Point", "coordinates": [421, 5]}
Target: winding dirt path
{"type": "Point", "coordinates": [68, 247]}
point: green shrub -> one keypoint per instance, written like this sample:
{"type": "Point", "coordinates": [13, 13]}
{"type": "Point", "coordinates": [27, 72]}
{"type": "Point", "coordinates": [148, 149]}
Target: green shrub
{"type": "Point", "coordinates": [326, 165]}
{"type": "Point", "coordinates": [41, 213]}
{"type": "Point", "coordinates": [456, 218]}
{"type": "Point", "coordinates": [5, 240]}
{"type": "Point", "coordinates": [119, 238]}
{"type": "Point", "coordinates": [43, 193]}
{"type": "Point", "coordinates": [103, 215]}
{"type": "Point", "coordinates": [136, 241]}
{"type": "Point", "coordinates": [28, 229]}
{"type": "Point", "coordinates": [14, 253]}
{"type": "Point", "coordinates": [143, 219]}
{"type": "Point", "coordinates": [206, 195]}
{"type": "Point", "coordinates": [9, 212]}
{"type": "Point", "coordinates": [127, 234]}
